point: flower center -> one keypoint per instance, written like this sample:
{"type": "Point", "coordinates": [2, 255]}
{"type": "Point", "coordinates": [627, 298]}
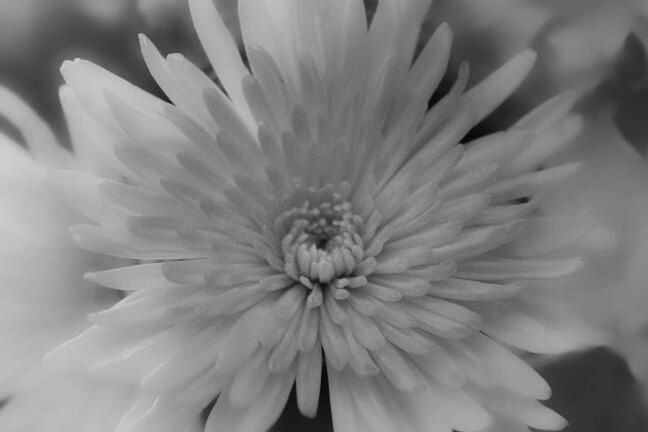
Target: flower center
{"type": "Point", "coordinates": [322, 246]}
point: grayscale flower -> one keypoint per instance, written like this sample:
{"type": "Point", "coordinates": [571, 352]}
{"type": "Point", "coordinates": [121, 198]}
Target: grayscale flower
{"type": "Point", "coordinates": [316, 212]}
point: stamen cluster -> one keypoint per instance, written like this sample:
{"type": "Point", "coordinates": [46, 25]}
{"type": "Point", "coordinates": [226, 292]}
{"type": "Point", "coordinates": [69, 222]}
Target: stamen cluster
{"type": "Point", "coordinates": [323, 245]}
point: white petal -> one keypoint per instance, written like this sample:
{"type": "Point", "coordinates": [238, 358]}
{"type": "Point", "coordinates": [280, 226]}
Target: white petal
{"type": "Point", "coordinates": [523, 410]}
{"type": "Point", "coordinates": [145, 128]}
{"type": "Point", "coordinates": [490, 93]}
{"type": "Point", "coordinates": [348, 414]}
{"type": "Point", "coordinates": [159, 414]}
{"type": "Point", "coordinates": [509, 371]}
{"type": "Point", "coordinates": [394, 30]}
{"type": "Point", "coordinates": [142, 276]}
{"type": "Point", "coordinates": [549, 113]}
{"type": "Point", "coordinates": [139, 358]}
{"type": "Point", "coordinates": [546, 143]}
{"type": "Point", "coordinates": [532, 183]}
{"type": "Point", "coordinates": [431, 63]}
{"type": "Point", "coordinates": [91, 141]}
{"type": "Point", "coordinates": [498, 148]}
{"type": "Point", "coordinates": [38, 136]}
{"type": "Point", "coordinates": [249, 381]}
{"type": "Point", "coordinates": [456, 407]}
{"type": "Point", "coordinates": [489, 268]}
{"type": "Point", "coordinates": [178, 370]}
{"type": "Point", "coordinates": [88, 81]}
{"type": "Point", "coordinates": [259, 416]}
{"type": "Point", "coordinates": [221, 50]}
{"type": "Point", "coordinates": [176, 80]}
{"type": "Point", "coordinates": [308, 380]}
{"type": "Point", "coordinates": [516, 325]}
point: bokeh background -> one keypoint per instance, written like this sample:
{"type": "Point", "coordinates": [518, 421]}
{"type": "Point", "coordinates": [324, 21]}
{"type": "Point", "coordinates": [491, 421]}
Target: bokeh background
{"type": "Point", "coordinates": [594, 47]}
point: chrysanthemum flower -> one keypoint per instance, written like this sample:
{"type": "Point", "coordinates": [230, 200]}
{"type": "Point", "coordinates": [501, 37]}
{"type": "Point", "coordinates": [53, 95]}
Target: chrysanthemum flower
{"type": "Point", "coordinates": [43, 298]}
{"type": "Point", "coordinates": [315, 213]}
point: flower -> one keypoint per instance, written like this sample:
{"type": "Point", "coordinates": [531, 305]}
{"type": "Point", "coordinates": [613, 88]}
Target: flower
{"type": "Point", "coordinates": [609, 293]}
{"type": "Point", "coordinates": [317, 214]}
{"type": "Point", "coordinates": [43, 295]}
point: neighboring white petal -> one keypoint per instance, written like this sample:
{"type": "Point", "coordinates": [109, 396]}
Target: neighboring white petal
{"type": "Point", "coordinates": [37, 134]}
{"type": "Point", "coordinates": [221, 49]}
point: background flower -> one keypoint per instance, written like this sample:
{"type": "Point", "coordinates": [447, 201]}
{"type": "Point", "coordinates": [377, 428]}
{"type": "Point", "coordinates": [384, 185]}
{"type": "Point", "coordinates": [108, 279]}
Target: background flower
{"type": "Point", "coordinates": [43, 296]}
{"type": "Point", "coordinates": [611, 292]}
{"type": "Point", "coordinates": [578, 40]}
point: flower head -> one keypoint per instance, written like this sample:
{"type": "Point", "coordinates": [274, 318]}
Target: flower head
{"type": "Point", "coordinates": [317, 213]}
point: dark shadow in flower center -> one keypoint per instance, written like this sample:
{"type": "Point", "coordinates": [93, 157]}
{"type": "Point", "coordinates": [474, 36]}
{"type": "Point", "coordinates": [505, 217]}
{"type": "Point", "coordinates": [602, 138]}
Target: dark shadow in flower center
{"type": "Point", "coordinates": [321, 243]}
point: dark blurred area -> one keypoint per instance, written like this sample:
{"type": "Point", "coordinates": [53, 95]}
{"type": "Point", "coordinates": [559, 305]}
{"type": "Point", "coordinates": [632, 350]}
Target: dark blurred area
{"type": "Point", "coordinates": [596, 392]}
{"type": "Point", "coordinates": [36, 36]}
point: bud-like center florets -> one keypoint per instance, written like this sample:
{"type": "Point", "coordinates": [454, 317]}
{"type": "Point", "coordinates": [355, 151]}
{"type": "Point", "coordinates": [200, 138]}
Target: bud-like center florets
{"type": "Point", "coordinates": [322, 245]}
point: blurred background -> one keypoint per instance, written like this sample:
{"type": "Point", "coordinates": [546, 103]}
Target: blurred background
{"type": "Point", "coordinates": [37, 35]}
{"type": "Point", "coordinates": [594, 47]}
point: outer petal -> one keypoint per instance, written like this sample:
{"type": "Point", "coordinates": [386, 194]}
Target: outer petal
{"type": "Point", "coordinates": [38, 136]}
{"type": "Point", "coordinates": [89, 82]}
{"type": "Point", "coordinates": [221, 50]}
{"type": "Point", "coordinates": [257, 417]}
